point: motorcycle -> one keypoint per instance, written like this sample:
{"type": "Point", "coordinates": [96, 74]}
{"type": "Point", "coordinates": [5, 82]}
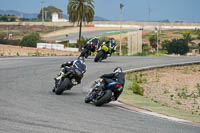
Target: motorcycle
{"type": "Point", "coordinates": [90, 47]}
{"type": "Point", "coordinates": [69, 79]}
{"type": "Point", "coordinates": [103, 52]}
{"type": "Point", "coordinates": [100, 95]}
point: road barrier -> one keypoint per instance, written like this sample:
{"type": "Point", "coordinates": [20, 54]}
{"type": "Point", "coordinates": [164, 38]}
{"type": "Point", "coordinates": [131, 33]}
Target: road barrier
{"type": "Point", "coordinates": [56, 47]}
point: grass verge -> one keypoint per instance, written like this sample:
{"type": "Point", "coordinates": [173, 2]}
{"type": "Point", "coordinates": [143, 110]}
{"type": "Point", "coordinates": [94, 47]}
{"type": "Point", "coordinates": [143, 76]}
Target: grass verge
{"type": "Point", "coordinates": [128, 97]}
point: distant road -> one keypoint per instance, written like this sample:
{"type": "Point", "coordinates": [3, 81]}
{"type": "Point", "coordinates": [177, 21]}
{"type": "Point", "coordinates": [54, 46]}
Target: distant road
{"type": "Point", "coordinates": [75, 36]}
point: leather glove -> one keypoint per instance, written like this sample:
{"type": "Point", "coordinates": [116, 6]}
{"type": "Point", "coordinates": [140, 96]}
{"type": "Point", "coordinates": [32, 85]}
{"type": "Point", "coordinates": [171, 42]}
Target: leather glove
{"type": "Point", "coordinates": [63, 65]}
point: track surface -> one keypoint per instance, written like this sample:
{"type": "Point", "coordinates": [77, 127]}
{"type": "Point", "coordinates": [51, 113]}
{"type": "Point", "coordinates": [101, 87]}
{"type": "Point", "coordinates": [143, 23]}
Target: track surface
{"type": "Point", "coordinates": [27, 104]}
{"type": "Point", "coordinates": [75, 36]}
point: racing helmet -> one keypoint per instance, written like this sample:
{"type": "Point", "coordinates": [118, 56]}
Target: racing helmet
{"type": "Point", "coordinates": [112, 40]}
{"type": "Point", "coordinates": [117, 69]}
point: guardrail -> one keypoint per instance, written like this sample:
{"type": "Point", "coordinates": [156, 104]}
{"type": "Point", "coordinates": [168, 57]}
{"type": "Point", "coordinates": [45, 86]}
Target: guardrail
{"type": "Point", "coordinates": [160, 66]}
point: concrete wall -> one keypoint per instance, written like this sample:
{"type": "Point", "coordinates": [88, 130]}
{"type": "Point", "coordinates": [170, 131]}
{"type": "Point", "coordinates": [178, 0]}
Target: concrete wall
{"type": "Point", "coordinates": [56, 47]}
{"type": "Point", "coordinates": [134, 42]}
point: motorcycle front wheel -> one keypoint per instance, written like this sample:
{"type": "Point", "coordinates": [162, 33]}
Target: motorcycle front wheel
{"type": "Point", "coordinates": [65, 84]}
{"type": "Point", "coordinates": [99, 56]}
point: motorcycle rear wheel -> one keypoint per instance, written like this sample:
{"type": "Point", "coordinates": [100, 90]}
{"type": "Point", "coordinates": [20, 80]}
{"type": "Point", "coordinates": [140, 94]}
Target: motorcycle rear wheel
{"type": "Point", "coordinates": [104, 99]}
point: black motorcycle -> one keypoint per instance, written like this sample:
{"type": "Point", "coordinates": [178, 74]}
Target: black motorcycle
{"type": "Point", "coordinates": [90, 47]}
{"type": "Point", "coordinates": [100, 94]}
{"type": "Point", "coordinates": [70, 78]}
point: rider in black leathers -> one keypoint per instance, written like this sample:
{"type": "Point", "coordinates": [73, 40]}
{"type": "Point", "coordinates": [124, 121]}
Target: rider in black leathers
{"type": "Point", "coordinates": [66, 67]}
{"type": "Point", "coordinates": [111, 44]}
{"type": "Point", "coordinates": [116, 76]}
{"type": "Point", "coordinates": [94, 44]}
{"type": "Point", "coordinates": [90, 46]}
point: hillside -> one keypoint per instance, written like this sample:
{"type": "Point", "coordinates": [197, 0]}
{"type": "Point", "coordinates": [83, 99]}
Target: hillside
{"type": "Point", "coordinates": [34, 15]}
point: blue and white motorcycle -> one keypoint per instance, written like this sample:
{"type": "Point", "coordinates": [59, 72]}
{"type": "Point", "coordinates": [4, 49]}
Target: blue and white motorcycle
{"type": "Point", "coordinates": [100, 94]}
{"type": "Point", "coordinates": [71, 78]}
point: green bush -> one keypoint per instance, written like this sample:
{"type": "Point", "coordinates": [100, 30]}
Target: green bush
{"type": "Point", "coordinates": [136, 79]}
{"type": "Point", "coordinates": [153, 41]}
{"type": "Point", "coordinates": [165, 44]}
{"type": "Point", "coordinates": [178, 46]}
{"type": "Point", "coordinates": [2, 38]}
{"type": "Point", "coordinates": [3, 18]}
{"type": "Point", "coordinates": [137, 89]}
{"type": "Point", "coordinates": [146, 47]}
{"type": "Point", "coordinates": [198, 36]}
{"type": "Point", "coordinates": [30, 40]}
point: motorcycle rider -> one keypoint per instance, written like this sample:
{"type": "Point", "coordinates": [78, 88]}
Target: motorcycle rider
{"type": "Point", "coordinates": [111, 44]}
{"type": "Point", "coordinates": [68, 66]}
{"type": "Point", "coordinates": [116, 76]}
{"type": "Point", "coordinates": [94, 44]}
{"type": "Point", "coordinates": [91, 46]}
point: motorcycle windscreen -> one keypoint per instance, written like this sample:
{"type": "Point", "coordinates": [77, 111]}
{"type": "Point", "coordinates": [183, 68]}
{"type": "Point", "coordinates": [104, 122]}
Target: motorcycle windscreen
{"type": "Point", "coordinates": [80, 66]}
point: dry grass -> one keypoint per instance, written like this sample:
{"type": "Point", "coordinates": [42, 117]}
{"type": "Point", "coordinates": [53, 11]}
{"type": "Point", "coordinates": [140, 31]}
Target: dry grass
{"type": "Point", "coordinates": [177, 87]}
{"type": "Point", "coordinates": [7, 50]}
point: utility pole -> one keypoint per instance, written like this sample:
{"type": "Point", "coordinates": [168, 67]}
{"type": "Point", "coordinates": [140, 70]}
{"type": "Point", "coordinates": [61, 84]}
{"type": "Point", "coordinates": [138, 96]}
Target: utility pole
{"type": "Point", "coordinates": [46, 17]}
{"type": "Point", "coordinates": [42, 2]}
{"type": "Point", "coordinates": [120, 49]}
{"type": "Point", "coordinates": [157, 30]}
{"type": "Point", "coordinates": [149, 12]}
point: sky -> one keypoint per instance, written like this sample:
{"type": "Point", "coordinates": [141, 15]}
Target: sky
{"type": "Point", "coordinates": [134, 10]}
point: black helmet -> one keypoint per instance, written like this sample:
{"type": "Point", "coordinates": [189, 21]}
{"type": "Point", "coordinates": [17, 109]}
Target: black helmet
{"type": "Point", "coordinates": [117, 69]}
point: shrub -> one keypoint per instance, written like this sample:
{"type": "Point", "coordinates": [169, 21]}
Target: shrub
{"type": "Point", "coordinates": [137, 89]}
{"type": "Point", "coordinates": [146, 47]}
{"type": "Point", "coordinates": [2, 38]}
{"type": "Point", "coordinates": [37, 53]}
{"type": "Point", "coordinates": [165, 44]}
{"type": "Point", "coordinates": [18, 54]}
{"type": "Point", "coordinates": [153, 41]}
{"type": "Point", "coordinates": [30, 40]}
{"type": "Point", "coordinates": [198, 89]}
{"type": "Point", "coordinates": [4, 19]}
{"type": "Point", "coordinates": [178, 102]}
{"type": "Point", "coordinates": [178, 46]}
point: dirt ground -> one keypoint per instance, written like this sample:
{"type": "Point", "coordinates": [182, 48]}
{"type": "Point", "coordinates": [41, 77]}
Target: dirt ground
{"type": "Point", "coordinates": [8, 50]}
{"type": "Point", "coordinates": [177, 87]}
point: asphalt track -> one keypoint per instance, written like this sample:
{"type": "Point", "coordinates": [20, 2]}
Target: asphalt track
{"type": "Point", "coordinates": [86, 34]}
{"type": "Point", "coordinates": [27, 104]}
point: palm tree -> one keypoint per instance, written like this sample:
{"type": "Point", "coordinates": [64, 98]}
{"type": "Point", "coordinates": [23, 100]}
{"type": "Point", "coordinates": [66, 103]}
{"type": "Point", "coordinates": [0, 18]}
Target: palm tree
{"type": "Point", "coordinates": [80, 11]}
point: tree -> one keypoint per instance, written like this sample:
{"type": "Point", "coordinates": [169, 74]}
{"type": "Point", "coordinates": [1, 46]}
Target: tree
{"type": "Point", "coordinates": [4, 18]}
{"type": "Point", "coordinates": [187, 37]}
{"type": "Point", "coordinates": [80, 11]}
{"type": "Point", "coordinates": [178, 46]}
{"type": "Point", "coordinates": [49, 10]}
{"type": "Point", "coordinates": [153, 41]}
{"type": "Point", "coordinates": [12, 19]}
{"type": "Point", "coordinates": [165, 44]}
{"type": "Point", "coordinates": [30, 40]}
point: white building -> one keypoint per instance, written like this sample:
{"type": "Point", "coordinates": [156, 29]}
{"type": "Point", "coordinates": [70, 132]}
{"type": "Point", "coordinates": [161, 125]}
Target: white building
{"type": "Point", "coordinates": [55, 18]}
